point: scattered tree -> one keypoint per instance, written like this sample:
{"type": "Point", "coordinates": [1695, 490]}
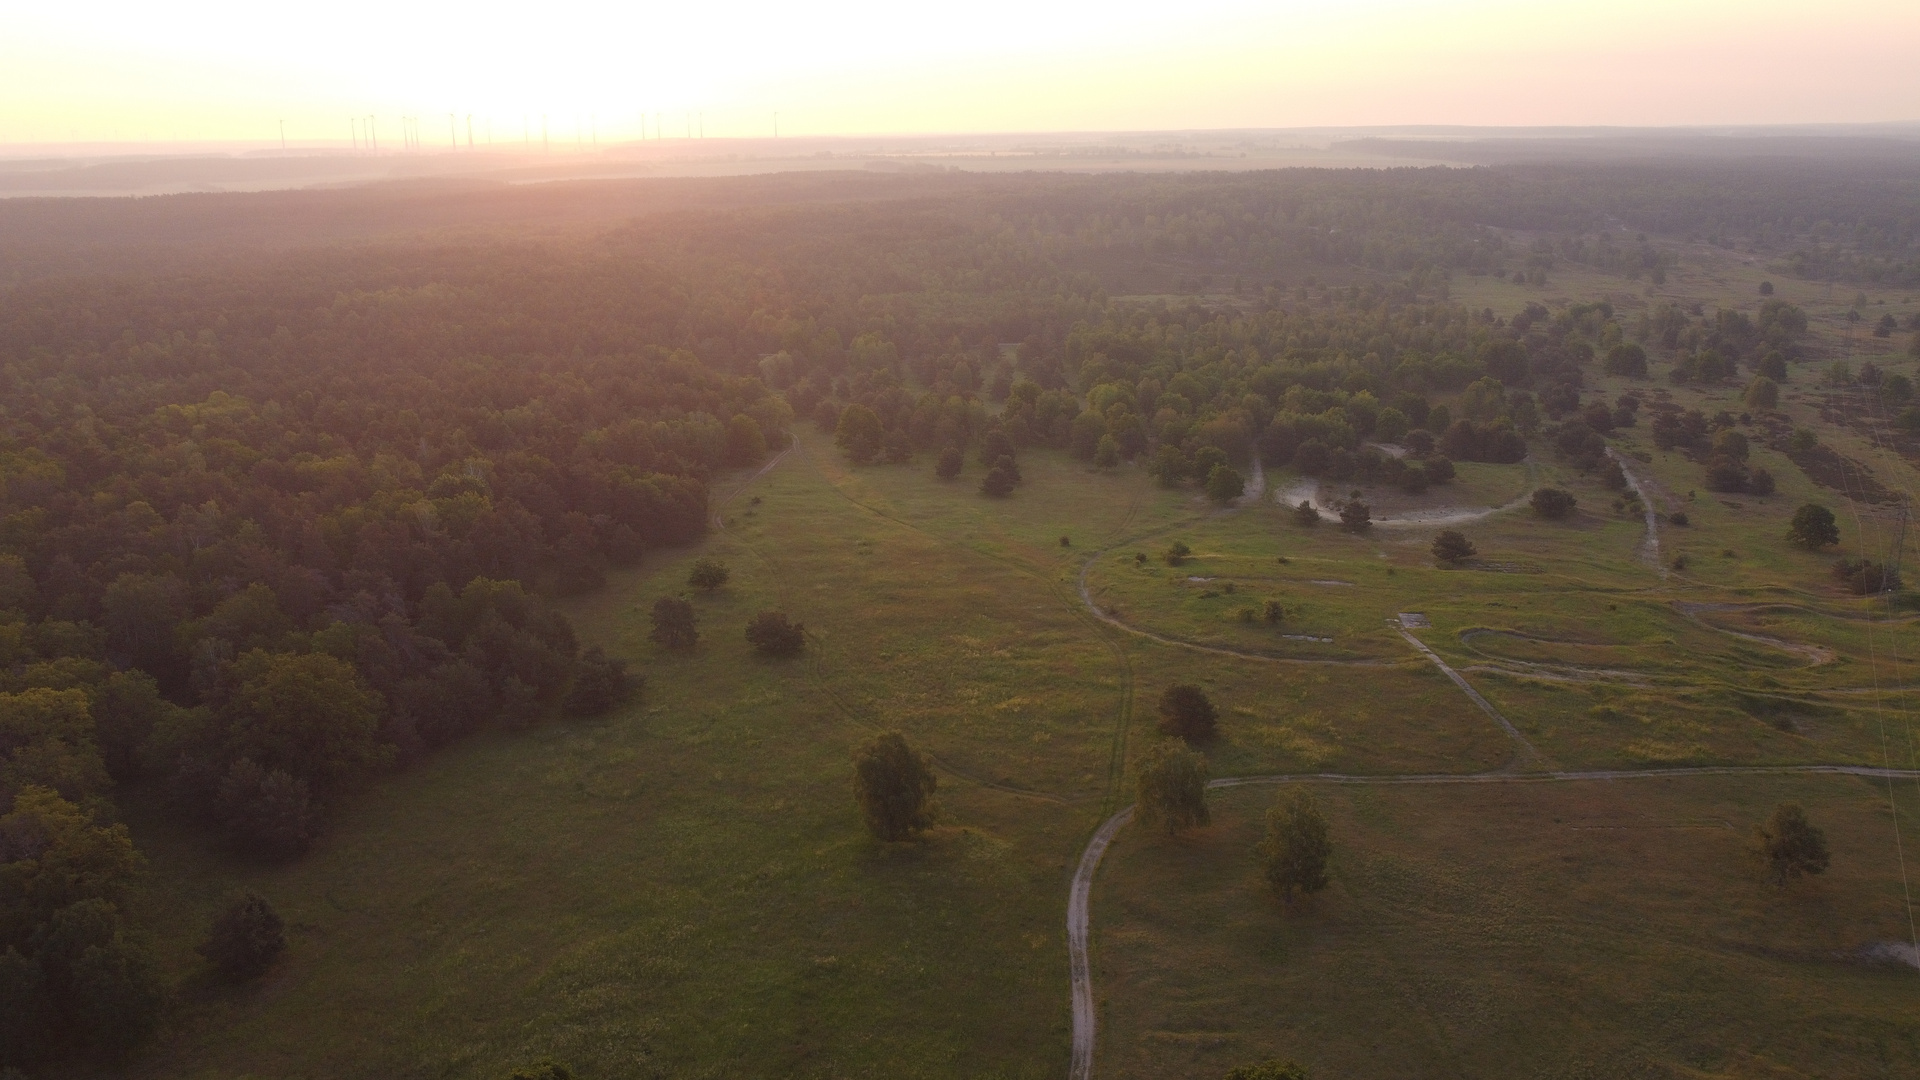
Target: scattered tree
{"type": "Point", "coordinates": [1177, 553]}
{"type": "Point", "coordinates": [1305, 514]}
{"type": "Point", "coordinates": [1552, 503]}
{"type": "Point", "coordinates": [1106, 453]}
{"type": "Point", "coordinates": [860, 434]}
{"type": "Point", "coordinates": [247, 936]}
{"type": "Point", "coordinates": [772, 634]}
{"type": "Point", "coordinates": [948, 467]}
{"type": "Point", "coordinates": [1763, 394]}
{"type": "Point", "coordinates": [1186, 713]}
{"type": "Point", "coordinates": [1790, 845]}
{"type": "Point", "coordinates": [1296, 846]}
{"type": "Point", "coordinates": [708, 574]}
{"type": "Point", "coordinates": [894, 785]}
{"type": "Point", "coordinates": [1451, 547]}
{"type": "Point", "coordinates": [1273, 612]}
{"type": "Point", "coordinates": [1813, 527]}
{"type": "Point", "coordinates": [1172, 788]}
{"type": "Point", "coordinates": [673, 624]}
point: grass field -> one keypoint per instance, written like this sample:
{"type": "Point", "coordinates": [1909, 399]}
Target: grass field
{"type": "Point", "coordinates": [684, 888]}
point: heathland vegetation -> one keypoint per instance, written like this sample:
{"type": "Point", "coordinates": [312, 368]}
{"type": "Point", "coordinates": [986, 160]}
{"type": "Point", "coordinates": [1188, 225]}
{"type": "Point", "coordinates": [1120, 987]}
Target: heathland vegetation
{"type": "Point", "coordinates": [700, 639]}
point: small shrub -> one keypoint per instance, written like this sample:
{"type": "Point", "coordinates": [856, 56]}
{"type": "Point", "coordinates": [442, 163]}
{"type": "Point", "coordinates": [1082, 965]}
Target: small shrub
{"type": "Point", "coordinates": [1790, 845]}
{"type": "Point", "coordinates": [773, 635]}
{"type": "Point", "coordinates": [1552, 503]}
{"type": "Point", "coordinates": [708, 574]}
{"type": "Point", "coordinates": [950, 463]}
{"type": "Point", "coordinates": [544, 1069]}
{"type": "Point", "coordinates": [1273, 612]}
{"type": "Point", "coordinates": [1356, 516]}
{"type": "Point", "coordinates": [1305, 514]}
{"type": "Point", "coordinates": [1450, 547]}
{"type": "Point", "coordinates": [600, 683]}
{"type": "Point", "coordinates": [1177, 552]}
{"type": "Point", "coordinates": [1066, 541]}
{"type": "Point", "coordinates": [1679, 518]}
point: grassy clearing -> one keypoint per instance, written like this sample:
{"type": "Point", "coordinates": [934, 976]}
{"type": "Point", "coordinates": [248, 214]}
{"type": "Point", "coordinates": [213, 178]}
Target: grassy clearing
{"type": "Point", "coordinates": [1591, 929]}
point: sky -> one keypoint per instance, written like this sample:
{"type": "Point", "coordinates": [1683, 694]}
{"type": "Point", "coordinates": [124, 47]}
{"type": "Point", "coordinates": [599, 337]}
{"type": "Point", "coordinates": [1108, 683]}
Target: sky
{"type": "Point", "coordinates": [88, 71]}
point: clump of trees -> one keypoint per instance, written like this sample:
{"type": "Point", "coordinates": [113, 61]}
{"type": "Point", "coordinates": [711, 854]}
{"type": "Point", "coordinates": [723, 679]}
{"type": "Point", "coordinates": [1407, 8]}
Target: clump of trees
{"type": "Point", "coordinates": [894, 787]}
{"type": "Point", "coordinates": [773, 634]}
{"type": "Point", "coordinates": [1187, 713]}
{"type": "Point", "coordinates": [1451, 547]}
{"type": "Point", "coordinates": [1171, 786]}
{"type": "Point", "coordinates": [1225, 484]}
{"type": "Point", "coordinates": [1789, 845]}
{"type": "Point", "coordinates": [1296, 847]}
{"type": "Point", "coordinates": [1552, 503]}
{"type": "Point", "coordinates": [1865, 577]}
{"type": "Point", "coordinates": [1355, 515]}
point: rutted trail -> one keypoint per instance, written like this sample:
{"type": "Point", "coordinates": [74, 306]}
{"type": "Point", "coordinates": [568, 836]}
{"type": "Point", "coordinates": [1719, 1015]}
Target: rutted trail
{"type": "Point", "coordinates": [1085, 1019]}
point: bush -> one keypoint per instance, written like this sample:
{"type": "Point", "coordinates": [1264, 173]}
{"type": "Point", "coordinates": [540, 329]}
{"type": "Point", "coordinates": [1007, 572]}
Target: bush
{"type": "Point", "coordinates": [997, 484]}
{"type": "Point", "coordinates": [1813, 527]}
{"type": "Point", "coordinates": [1172, 788]}
{"type": "Point", "coordinates": [117, 995]}
{"type": "Point", "coordinates": [1305, 514]}
{"type": "Point", "coordinates": [1552, 503]}
{"type": "Point", "coordinates": [1762, 394]}
{"type": "Point", "coordinates": [1296, 846]}
{"type": "Point", "coordinates": [894, 786]}
{"type": "Point", "coordinates": [674, 626]}
{"type": "Point", "coordinates": [1626, 359]}
{"type": "Point", "coordinates": [773, 635]}
{"type": "Point", "coordinates": [1678, 518]}
{"type": "Point", "coordinates": [1864, 577]}
{"type": "Point", "coordinates": [1273, 612]}
{"type": "Point", "coordinates": [1225, 484]}
{"type": "Point", "coordinates": [951, 460]}
{"type": "Point", "coordinates": [708, 574]}
{"type": "Point", "coordinates": [1790, 845]}
{"type": "Point", "coordinates": [247, 936]}
{"type": "Point", "coordinates": [1186, 713]}
{"type": "Point", "coordinates": [600, 683]}
{"type": "Point", "coordinates": [1450, 547]}
{"type": "Point", "coordinates": [1268, 1070]}
{"type": "Point", "coordinates": [1177, 553]}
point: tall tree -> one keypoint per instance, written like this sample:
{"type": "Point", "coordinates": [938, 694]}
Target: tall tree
{"type": "Point", "coordinates": [1296, 847]}
{"type": "Point", "coordinates": [894, 785]}
{"type": "Point", "coordinates": [1171, 786]}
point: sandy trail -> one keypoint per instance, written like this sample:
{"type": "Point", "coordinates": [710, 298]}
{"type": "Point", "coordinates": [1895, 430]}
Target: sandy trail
{"type": "Point", "coordinates": [1085, 1020]}
{"type": "Point", "coordinates": [1650, 547]}
{"type": "Point", "coordinates": [1308, 491]}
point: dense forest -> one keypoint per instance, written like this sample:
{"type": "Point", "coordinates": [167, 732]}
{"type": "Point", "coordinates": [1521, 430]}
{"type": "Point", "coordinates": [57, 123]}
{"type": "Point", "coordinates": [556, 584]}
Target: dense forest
{"type": "Point", "coordinates": [277, 514]}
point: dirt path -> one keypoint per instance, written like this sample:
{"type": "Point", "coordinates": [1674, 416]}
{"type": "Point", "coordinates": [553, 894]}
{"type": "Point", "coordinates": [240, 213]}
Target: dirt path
{"type": "Point", "coordinates": [1085, 1018]}
{"type": "Point", "coordinates": [1524, 753]}
{"type": "Point", "coordinates": [1650, 547]}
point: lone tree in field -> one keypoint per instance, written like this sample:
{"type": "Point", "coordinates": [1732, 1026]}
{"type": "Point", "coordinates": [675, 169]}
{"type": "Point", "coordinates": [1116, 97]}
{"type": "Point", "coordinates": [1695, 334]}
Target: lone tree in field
{"type": "Point", "coordinates": [998, 483]}
{"type": "Point", "coordinates": [246, 938]}
{"type": "Point", "coordinates": [894, 785]}
{"type": "Point", "coordinates": [1305, 514]}
{"type": "Point", "coordinates": [948, 467]}
{"type": "Point", "coordinates": [673, 624]}
{"type": "Point", "coordinates": [1552, 503]}
{"type": "Point", "coordinates": [1268, 1070]}
{"type": "Point", "coordinates": [708, 574]}
{"type": "Point", "coordinates": [1177, 553]}
{"type": "Point", "coordinates": [600, 683]}
{"type": "Point", "coordinates": [1451, 547]}
{"type": "Point", "coordinates": [1225, 484]}
{"type": "Point", "coordinates": [1296, 847]}
{"type": "Point", "coordinates": [1172, 788]}
{"type": "Point", "coordinates": [1186, 713]}
{"type": "Point", "coordinates": [1791, 845]}
{"type": "Point", "coordinates": [1813, 527]}
{"type": "Point", "coordinates": [772, 634]}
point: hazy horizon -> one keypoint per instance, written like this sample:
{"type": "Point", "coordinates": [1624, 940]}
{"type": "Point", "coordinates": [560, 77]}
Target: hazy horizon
{"type": "Point", "coordinates": [438, 75]}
